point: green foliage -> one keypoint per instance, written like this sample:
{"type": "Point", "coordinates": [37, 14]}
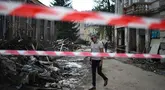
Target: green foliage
{"type": "Point", "coordinates": [105, 6]}
{"type": "Point", "coordinates": [65, 29]}
{"type": "Point", "coordinates": [64, 3]}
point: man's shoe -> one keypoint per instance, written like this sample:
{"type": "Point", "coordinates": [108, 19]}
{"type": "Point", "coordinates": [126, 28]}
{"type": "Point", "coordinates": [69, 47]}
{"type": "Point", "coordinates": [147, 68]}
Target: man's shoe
{"type": "Point", "coordinates": [105, 82]}
{"type": "Point", "coordinates": [93, 88]}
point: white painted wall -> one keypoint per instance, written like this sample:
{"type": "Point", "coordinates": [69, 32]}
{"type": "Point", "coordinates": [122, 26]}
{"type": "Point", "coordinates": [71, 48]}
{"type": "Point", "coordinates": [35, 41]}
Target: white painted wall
{"type": "Point", "coordinates": [81, 32]}
{"type": "Point", "coordinates": [89, 30]}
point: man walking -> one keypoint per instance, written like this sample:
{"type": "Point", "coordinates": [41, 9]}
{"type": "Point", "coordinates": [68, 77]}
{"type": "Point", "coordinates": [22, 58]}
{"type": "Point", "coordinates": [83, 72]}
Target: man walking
{"type": "Point", "coordinates": [97, 46]}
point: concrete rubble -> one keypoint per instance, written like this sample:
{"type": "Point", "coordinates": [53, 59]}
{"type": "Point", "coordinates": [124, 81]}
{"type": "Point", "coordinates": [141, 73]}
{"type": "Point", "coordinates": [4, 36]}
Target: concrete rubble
{"type": "Point", "coordinates": [34, 72]}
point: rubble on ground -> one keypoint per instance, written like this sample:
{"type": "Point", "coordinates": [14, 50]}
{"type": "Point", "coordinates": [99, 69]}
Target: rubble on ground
{"type": "Point", "coordinates": [18, 72]}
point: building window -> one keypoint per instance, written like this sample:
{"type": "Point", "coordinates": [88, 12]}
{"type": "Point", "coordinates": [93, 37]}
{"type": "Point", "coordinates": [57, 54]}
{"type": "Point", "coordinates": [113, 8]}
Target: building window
{"type": "Point", "coordinates": [155, 34]}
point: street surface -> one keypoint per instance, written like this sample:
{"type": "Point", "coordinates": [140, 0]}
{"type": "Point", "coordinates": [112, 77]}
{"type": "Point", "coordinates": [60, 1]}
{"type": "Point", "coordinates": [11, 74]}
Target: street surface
{"type": "Point", "coordinates": [127, 77]}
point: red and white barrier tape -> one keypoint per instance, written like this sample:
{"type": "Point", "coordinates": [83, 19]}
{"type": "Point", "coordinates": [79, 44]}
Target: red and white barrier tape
{"type": "Point", "coordinates": [89, 54]}
{"type": "Point", "coordinates": [65, 14]}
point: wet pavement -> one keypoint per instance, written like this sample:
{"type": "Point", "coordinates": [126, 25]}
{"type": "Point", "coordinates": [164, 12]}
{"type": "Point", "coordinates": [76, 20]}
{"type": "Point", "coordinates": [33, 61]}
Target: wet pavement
{"type": "Point", "coordinates": [128, 77]}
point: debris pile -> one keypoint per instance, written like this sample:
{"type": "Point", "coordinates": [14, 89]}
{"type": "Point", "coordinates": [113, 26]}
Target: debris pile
{"type": "Point", "coordinates": [18, 72]}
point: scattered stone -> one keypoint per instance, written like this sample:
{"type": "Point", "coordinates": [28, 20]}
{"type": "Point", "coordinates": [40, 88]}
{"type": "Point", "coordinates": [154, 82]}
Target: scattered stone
{"type": "Point", "coordinates": [38, 71]}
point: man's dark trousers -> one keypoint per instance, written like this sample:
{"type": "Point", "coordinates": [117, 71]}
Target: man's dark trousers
{"type": "Point", "coordinates": [96, 65]}
{"type": "Point", "coordinates": [106, 49]}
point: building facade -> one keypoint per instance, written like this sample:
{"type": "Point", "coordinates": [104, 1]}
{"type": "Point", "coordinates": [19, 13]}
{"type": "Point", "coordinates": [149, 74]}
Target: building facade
{"type": "Point", "coordinates": [136, 39]}
{"type": "Point", "coordinates": [85, 30]}
{"type": "Point", "coordinates": [89, 30]}
{"type": "Point", "coordinates": [38, 29]}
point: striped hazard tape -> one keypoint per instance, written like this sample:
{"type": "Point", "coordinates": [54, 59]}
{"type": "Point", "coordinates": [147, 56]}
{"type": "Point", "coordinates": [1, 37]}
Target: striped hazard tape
{"type": "Point", "coordinates": [87, 54]}
{"type": "Point", "coordinates": [65, 14]}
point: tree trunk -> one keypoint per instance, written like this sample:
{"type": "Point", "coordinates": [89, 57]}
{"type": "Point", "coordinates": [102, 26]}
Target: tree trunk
{"type": "Point", "coordinates": [109, 31]}
{"type": "Point", "coordinates": [109, 6]}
